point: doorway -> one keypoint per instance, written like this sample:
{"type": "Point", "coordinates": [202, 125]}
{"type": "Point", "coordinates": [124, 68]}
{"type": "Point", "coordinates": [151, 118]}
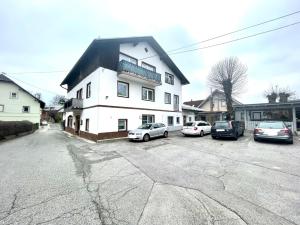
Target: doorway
{"type": "Point", "coordinates": [77, 125]}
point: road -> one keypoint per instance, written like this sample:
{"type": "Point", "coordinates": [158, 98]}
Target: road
{"type": "Point", "coordinates": [50, 177]}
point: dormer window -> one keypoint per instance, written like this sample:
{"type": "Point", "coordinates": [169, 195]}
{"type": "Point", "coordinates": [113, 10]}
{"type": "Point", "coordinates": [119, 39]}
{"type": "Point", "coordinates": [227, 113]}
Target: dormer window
{"type": "Point", "coordinates": [13, 95]}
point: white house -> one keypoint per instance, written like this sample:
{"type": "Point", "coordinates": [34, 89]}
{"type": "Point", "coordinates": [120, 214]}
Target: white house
{"type": "Point", "coordinates": [213, 107]}
{"type": "Point", "coordinates": [17, 104]}
{"type": "Point", "coordinates": [189, 113]}
{"type": "Point", "coordinates": [118, 84]}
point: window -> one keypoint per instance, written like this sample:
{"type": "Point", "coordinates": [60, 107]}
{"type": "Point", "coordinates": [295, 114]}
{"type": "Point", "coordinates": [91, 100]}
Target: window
{"type": "Point", "coordinates": [122, 125]}
{"type": "Point", "coordinates": [223, 103]}
{"type": "Point", "coordinates": [148, 67]}
{"type": "Point", "coordinates": [148, 94]}
{"type": "Point", "coordinates": [1, 108]}
{"type": "Point", "coordinates": [148, 119]}
{"type": "Point", "coordinates": [242, 115]}
{"type": "Point", "coordinates": [13, 95]}
{"type": "Point", "coordinates": [178, 120]}
{"type": "Point", "coordinates": [88, 90]}
{"type": "Point", "coordinates": [256, 115]}
{"type": "Point", "coordinates": [128, 58]}
{"type": "Point", "coordinates": [87, 124]}
{"type": "Point", "coordinates": [169, 78]}
{"type": "Point", "coordinates": [26, 109]}
{"type": "Point", "coordinates": [176, 100]}
{"type": "Point", "coordinates": [170, 120]}
{"type": "Point", "coordinates": [167, 98]}
{"type": "Point", "coordinates": [123, 89]}
{"type": "Point", "coordinates": [70, 120]}
{"type": "Point", "coordinates": [79, 94]}
{"type": "Point", "coordinates": [190, 119]}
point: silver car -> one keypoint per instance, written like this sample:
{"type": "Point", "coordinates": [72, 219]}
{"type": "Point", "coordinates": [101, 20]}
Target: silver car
{"type": "Point", "coordinates": [273, 130]}
{"type": "Point", "coordinates": [147, 131]}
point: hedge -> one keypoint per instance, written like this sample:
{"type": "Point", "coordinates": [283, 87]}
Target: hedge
{"type": "Point", "coordinates": [8, 128]}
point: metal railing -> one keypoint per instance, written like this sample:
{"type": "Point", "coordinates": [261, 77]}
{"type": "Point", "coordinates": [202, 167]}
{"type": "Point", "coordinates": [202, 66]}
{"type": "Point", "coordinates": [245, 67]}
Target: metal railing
{"type": "Point", "coordinates": [125, 66]}
{"type": "Point", "coordinates": [73, 103]}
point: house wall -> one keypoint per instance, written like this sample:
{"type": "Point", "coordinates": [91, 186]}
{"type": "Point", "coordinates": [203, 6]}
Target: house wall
{"type": "Point", "coordinates": [104, 107]}
{"type": "Point", "coordinates": [190, 115]}
{"type": "Point", "coordinates": [13, 107]}
{"type": "Point", "coordinates": [217, 101]}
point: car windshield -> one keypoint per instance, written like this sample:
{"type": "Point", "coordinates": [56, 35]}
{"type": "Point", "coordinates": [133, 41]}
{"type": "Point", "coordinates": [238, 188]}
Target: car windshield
{"type": "Point", "coordinates": [145, 126]}
{"type": "Point", "coordinates": [189, 124]}
{"type": "Point", "coordinates": [222, 124]}
{"type": "Point", "coordinates": [271, 125]}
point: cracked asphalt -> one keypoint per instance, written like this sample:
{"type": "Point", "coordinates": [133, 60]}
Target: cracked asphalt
{"type": "Point", "coordinates": [50, 177]}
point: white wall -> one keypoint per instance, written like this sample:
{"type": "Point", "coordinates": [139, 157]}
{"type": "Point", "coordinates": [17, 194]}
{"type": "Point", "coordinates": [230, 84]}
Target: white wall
{"type": "Point", "coordinates": [190, 115]}
{"type": "Point", "coordinates": [13, 107]}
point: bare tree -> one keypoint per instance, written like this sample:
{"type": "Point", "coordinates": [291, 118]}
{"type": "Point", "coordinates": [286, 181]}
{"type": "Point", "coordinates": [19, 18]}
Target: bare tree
{"type": "Point", "coordinates": [228, 75]}
{"type": "Point", "coordinates": [58, 100]}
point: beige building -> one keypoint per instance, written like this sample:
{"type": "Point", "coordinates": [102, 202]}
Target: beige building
{"type": "Point", "coordinates": [17, 104]}
{"type": "Point", "coordinates": [213, 107]}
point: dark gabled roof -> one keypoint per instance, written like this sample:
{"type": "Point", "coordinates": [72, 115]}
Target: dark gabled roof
{"type": "Point", "coordinates": [4, 78]}
{"type": "Point", "coordinates": [195, 103]}
{"type": "Point", "coordinates": [101, 42]}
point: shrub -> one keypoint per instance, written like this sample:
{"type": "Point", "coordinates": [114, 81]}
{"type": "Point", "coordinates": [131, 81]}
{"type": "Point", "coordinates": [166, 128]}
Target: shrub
{"type": "Point", "coordinates": [8, 128]}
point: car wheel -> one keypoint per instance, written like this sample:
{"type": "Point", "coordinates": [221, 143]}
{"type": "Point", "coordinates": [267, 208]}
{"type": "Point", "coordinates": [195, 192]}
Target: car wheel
{"type": "Point", "coordinates": [146, 137]}
{"type": "Point", "coordinates": [290, 141]}
{"type": "Point", "coordinates": [213, 137]}
{"type": "Point", "coordinates": [255, 139]}
{"type": "Point", "coordinates": [166, 134]}
{"type": "Point", "coordinates": [242, 134]}
{"type": "Point", "coordinates": [201, 133]}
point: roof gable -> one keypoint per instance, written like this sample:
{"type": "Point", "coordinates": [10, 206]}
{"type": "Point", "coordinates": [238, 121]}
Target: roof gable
{"type": "Point", "coordinates": [98, 43]}
{"type": "Point", "coordinates": [4, 78]}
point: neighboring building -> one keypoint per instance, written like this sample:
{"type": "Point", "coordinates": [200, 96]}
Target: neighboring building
{"type": "Point", "coordinates": [189, 113]}
{"type": "Point", "coordinates": [53, 113]}
{"type": "Point", "coordinates": [17, 104]}
{"type": "Point", "coordinates": [118, 84]}
{"type": "Point", "coordinates": [251, 114]}
{"type": "Point", "coordinates": [213, 107]}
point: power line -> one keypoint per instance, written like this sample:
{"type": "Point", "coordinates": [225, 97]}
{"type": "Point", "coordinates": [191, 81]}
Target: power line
{"type": "Point", "coordinates": [58, 71]}
{"type": "Point", "coordinates": [226, 34]}
{"type": "Point", "coordinates": [13, 78]}
{"type": "Point", "coordinates": [238, 39]}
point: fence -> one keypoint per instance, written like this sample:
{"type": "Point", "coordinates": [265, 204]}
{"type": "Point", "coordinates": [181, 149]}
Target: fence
{"type": "Point", "coordinates": [8, 128]}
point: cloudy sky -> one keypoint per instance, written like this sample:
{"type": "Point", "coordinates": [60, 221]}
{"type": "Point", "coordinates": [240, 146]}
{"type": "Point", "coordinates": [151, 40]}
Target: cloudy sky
{"type": "Point", "coordinates": [49, 35]}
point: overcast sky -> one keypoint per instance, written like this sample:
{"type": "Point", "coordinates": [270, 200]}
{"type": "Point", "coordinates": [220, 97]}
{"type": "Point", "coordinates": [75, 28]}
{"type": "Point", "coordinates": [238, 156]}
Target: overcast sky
{"type": "Point", "coordinates": [50, 35]}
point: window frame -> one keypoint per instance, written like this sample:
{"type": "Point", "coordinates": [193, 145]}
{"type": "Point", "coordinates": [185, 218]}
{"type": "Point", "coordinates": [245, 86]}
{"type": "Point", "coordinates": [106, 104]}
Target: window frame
{"type": "Point", "coordinates": [28, 111]}
{"type": "Point", "coordinates": [122, 82]}
{"type": "Point", "coordinates": [148, 65]}
{"type": "Point", "coordinates": [128, 56]}
{"type": "Point", "coordinates": [172, 81]}
{"type": "Point", "coordinates": [172, 120]}
{"type": "Point", "coordinates": [148, 115]}
{"type": "Point", "coordinates": [2, 106]}
{"type": "Point", "coordinates": [13, 92]}
{"type": "Point", "coordinates": [153, 94]}
{"type": "Point", "coordinates": [79, 92]}
{"type": "Point", "coordinates": [126, 125]}
{"type": "Point", "coordinates": [168, 94]}
{"type": "Point", "coordinates": [87, 124]}
{"type": "Point", "coordinates": [256, 113]}
{"type": "Point", "coordinates": [88, 90]}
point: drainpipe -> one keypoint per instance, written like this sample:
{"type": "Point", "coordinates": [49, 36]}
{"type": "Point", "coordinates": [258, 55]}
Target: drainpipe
{"type": "Point", "coordinates": [294, 119]}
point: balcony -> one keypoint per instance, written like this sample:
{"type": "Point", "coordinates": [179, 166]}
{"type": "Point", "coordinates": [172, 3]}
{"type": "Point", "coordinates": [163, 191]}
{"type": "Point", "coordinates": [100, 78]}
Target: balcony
{"type": "Point", "coordinates": [73, 104]}
{"type": "Point", "coordinates": [137, 73]}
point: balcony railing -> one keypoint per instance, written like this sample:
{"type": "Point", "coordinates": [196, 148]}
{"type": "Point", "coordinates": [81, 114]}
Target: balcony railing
{"type": "Point", "coordinates": [139, 72]}
{"type": "Point", "coordinates": [73, 104]}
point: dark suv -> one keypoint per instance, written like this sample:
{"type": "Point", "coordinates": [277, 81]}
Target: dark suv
{"type": "Point", "coordinates": [232, 129]}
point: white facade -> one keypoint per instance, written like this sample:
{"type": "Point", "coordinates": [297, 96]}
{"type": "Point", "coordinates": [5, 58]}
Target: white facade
{"type": "Point", "coordinates": [12, 102]}
{"type": "Point", "coordinates": [104, 108]}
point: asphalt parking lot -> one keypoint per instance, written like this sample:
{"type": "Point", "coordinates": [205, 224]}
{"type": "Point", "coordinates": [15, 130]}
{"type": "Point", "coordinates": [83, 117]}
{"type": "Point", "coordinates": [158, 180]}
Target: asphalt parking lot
{"type": "Point", "coordinates": [174, 180]}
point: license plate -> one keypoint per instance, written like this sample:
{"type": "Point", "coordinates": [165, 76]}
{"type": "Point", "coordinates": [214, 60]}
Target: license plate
{"type": "Point", "coordinates": [220, 130]}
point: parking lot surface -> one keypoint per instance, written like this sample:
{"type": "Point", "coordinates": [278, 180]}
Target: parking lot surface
{"type": "Point", "coordinates": [174, 180]}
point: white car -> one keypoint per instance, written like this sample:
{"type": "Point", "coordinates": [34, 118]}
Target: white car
{"type": "Point", "coordinates": [147, 131]}
{"type": "Point", "coordinates": [199, 128]}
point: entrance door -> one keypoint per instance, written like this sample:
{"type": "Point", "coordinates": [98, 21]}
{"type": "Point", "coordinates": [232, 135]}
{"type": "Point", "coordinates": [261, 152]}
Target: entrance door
{"type": "Point", "coordinates": [77, 124]}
